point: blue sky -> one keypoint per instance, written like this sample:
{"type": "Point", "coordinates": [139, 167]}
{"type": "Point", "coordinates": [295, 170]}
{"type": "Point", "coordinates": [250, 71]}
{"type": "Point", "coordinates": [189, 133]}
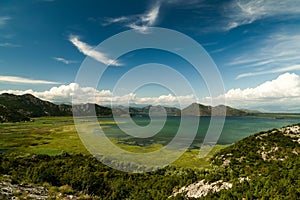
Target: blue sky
{"type": "Point", "coordinates": [255, 45]}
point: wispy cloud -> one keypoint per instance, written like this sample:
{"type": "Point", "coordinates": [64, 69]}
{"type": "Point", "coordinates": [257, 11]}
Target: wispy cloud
{"type": "Point", "coordinates": [276, 53]}
{"type": "Point", "coordinates": [272, 71]}
{"type": "Point", "coordinates": [16, 79]}
{"type": "Point", "coordinates": [4, 20]}
{"type": "Point", "coordinates": [8, 44]}
{"type": "Point", "coordinates": [241, 12]}
{"type": "Point", "coordinates": [140, 22]}
{"type": "Point", "coordinates": [150, 17]}
{"type": "Point", "coordinates": [219, 50]}
{"type": "Point", "coordinates": [191, 4]}
{"type": "Point", "coordinates": [91, 52]}
{"type": "Point", "coordinates": [63, 60]}
{"type": "Point", "coordinates": [7, 36]}
{"type": "Point", "coordinates": [109, 21]}
{"type": "Point", "coordinates": [234, 13]}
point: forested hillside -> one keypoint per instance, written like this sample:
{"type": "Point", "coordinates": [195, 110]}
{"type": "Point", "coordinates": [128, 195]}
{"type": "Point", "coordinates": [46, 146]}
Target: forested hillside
{"type": "Point", "coordinates": [262, 166]}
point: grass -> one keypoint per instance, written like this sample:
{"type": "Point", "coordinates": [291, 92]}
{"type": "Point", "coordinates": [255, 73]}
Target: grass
{"type": "Point", "coordinates": [53, 135]}
{"type": "Point", "coordinates": [43, 136]}
{"type": "Point", "coordinates": [191, 159]}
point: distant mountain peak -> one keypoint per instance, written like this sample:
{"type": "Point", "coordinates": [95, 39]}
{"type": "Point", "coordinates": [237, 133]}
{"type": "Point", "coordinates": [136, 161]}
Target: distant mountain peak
{"type": "Point", "coordinates": [196, 109]}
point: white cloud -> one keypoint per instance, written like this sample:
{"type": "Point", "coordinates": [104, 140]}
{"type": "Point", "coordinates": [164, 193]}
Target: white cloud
{"type": "Point", "coordinates": [16, 79]}
{"type": "Point", "coordinates": [272, 71]}
{"type": "Point", "coordinates": [139, 28]}
{"type": "Point", "coordinates": [140, 23]}
{"type": "Point", "coordinates": [91, 52]}
{"type": "Point", "coordinates": [166, 100]}
{"type": "Point", "coordinates": [63, 60]}
{"type": "Point", "coordinates": [150, 17]}
{"type": "Point", "coordinates": [65, 93]}
{"type": "Point", "coordinates": [4, 20]}
{"type": "Point", "coordinates": [109, 21]}
{"type": "Point", "coordinates": [241, 12]}
{"type": "Point", "coordinates": [146, 20]}
{"type": "Point", "coordinates": [8, 44]}
{"type": "Point", "coordinates": [283, 92]}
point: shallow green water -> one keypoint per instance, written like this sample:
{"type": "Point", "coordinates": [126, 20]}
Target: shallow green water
{"type": "Point", "coordinates": [235, 129]}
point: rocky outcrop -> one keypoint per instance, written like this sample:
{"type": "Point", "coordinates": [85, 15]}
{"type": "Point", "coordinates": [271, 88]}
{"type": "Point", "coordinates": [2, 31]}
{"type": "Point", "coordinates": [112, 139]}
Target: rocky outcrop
{"type": "Point", "coordinates": [28, 191]}
{"type": "Point", "coordinates": [292, 132]}
{"type": "Point", "coordinates": [12, 191]}
{"type": "Point", "coordinates": [201, 188]}
{"type": "Point", "coordinates": [267, 146]}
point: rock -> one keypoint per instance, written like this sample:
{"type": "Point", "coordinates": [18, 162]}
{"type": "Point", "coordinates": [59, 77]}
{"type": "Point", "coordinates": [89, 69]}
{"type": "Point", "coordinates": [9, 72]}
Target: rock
{"type": "Point", "coordinates": [201, 189]}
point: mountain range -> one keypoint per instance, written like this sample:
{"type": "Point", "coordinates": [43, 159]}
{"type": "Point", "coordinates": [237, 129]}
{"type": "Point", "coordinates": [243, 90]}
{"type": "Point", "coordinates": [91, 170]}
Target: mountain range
{"type": "Point", "coordinates": [15, 108]}
{"type": "Point", "coordinates": [196, 109]}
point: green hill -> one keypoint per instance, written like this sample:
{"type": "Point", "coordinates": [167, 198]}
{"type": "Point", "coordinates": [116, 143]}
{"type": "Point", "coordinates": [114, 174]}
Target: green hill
{"type": "Point", "coordinates": [262, 166]}
{"type": "Point", "coordinates": [22, 107]}
{"type": "Point", "coordinates": [8, 115]}
{"type": "Point", "coordinates": [15, 108]}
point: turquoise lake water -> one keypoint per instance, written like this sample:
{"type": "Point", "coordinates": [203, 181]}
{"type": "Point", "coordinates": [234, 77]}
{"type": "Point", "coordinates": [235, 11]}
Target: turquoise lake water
{"type": "Point", "coordinates": [235, 129]}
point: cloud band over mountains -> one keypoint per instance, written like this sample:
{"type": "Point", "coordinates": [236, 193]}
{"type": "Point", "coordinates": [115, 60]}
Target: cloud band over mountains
{"type": "Point", "coordinates": [282, 92]}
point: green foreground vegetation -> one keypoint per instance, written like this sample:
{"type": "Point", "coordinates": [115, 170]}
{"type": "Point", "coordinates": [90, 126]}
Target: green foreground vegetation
{"type": "Point", "coordinates": [85, 173]}
{"type": "Point", "coordinates": [49, 152]}
{"type": "Point", "coordinates": [48, 135]}
{"type": "Point", "coordinates": [54, 135]}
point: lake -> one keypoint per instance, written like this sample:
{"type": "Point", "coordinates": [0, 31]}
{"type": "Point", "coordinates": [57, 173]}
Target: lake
{"type": "Point", "coordinates": [235, 129]}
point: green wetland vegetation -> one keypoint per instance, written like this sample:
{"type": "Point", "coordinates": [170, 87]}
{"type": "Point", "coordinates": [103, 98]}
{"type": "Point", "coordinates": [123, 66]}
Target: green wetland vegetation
{"type": "Point", "coordinates": [49, 152]}
{"type": "Point", "coordinates": [53, 135]}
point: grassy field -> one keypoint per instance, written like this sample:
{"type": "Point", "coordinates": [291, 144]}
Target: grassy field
{"type": "Point", "coordinates": [42, 136]}
{"type": "Point", "coordinates": [191, 158]}
{"type": "Point", "coordinates": [53, 135]}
